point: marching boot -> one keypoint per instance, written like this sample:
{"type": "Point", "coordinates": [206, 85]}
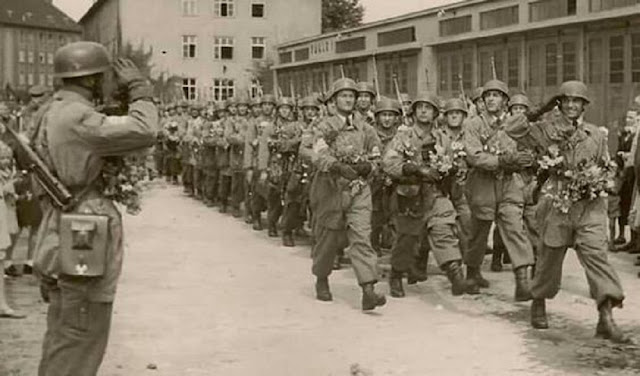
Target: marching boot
{"type": "Point", "coordinates": [287, 240]}
{"type": "Point", "coordinates": [523, 292]}
{"type": "Point", "coordinates": [474, 274]}
{"type": "Point", "coordinates": [539, 314]}
{"type": "Point", "coordinates": [456, 277]}
{"type": "Point", "coordinates": [337, 265]}
{"type": "Point", "coordinates": [418, 270]}
{"type": "Point", "coordinates": [273, 230]}
{"type": "Point", "coordinates": [496, 260]}
{"type": "Point", "coordinates": [633, 244]}
{"type": "Point", "coordinates": [322, 290]}
{"type": "Point", "coordinates": [371, 299]}
{"type": "Point", "coordinates": [606, 327]}
{"type": "Point", "coordinates": [395, 284]}
{"type": "Point", "coordinates": [223, 207]}
{"type": "Point", "coordinates": [257, 223]}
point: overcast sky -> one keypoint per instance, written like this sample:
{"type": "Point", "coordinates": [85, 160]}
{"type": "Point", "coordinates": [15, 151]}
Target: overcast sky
{"type": "Point", "coordinates": [374, 9]}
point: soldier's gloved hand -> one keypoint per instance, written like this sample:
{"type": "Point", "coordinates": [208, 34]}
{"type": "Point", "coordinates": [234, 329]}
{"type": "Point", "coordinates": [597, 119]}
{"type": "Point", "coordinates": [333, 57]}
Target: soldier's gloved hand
{"type": "Point", "coordinates": [130, 76]}
{"type": "Point", "coordinates": [343, 170]}
{"type": "Point", "coordinates": [410, 169]}
{"type": "Point", "coordinates": [363, 169]}
{"type": "Point", "coordinates": [429, 175]}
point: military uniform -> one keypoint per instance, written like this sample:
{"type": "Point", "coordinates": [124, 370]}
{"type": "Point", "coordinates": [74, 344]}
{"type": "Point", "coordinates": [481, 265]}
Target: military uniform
{"type": "Point", "coordinates": [74, 139]}
{"type": "Point", "coordinates": [235, 129]}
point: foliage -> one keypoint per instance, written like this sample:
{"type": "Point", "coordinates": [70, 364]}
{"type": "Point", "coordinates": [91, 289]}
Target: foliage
{"type": "Point", "coordinates": [341, 14]}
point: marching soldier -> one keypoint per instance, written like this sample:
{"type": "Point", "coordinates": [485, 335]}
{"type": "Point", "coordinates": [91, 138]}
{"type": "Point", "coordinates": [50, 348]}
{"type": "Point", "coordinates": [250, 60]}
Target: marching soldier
{"type": "Point", "coordinates": [387, 115]}
{"type": "Point", "coordinates": [209, 167]}
{"type": "Point", "coordinates": [235, 131]}
{"type": "Point", "coordinates": [223, 153]}
{"type": "Point", "coordinates": [583, 224]}
{"type": "Point", "coordinates": [74, 139]}
{"type": "Point", "coordinates": [495, 189]}
{"type": "Point", "coordinates": [424, 215]}
{"type": "Point", "coordinates": [340, 195]}
{"type": "Point", "coordinates": [364, 102]}
{"type": "Point", "coordinates": [250, 157]}
{"type": "Point", "coordinates": [455, 112]}
{"type": "Point", "coordinates": [261, 155]}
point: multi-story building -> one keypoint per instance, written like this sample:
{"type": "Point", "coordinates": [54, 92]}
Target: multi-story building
{"type": "Point", "coordinates": [533, 45]}
{"type": "Point", "coordinates": [218, 47]}
{"type": "Point", "coordinates": [30, 33]}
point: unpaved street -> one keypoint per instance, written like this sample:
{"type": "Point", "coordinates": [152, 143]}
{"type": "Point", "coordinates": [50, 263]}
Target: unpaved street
{"type": "Point", "coordinates": [203, 294]}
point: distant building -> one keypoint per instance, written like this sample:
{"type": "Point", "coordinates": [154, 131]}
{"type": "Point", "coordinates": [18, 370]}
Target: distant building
{"type": "Point", "coordinates": [30, 33]}
{"type": "Point", "coordinates": [218, 47]}
{"type": "Point", "coordinates": [534, 45]}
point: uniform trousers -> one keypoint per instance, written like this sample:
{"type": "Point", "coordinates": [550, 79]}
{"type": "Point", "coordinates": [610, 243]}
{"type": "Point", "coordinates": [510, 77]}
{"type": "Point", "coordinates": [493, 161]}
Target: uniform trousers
{"type": "Point", "coordinates": [584, 229]}
{"type": "Point", "coordinates": [237, 188]}
{"type": "Point", "coordinates": [274, 204]}
{"type": "Point", "coordinates": [355, 235]}
{"type": "Point", "coordinates": [211, 184]}
{"type": "Point", "coordinates": [510, 224]}
{"type": "Point", "coordinates": [224, 186]}
{"type": "Point", "coordinates": [77, 334]}
{"type": "Point", "coordinates": [187, 176]}
{"type": "Point", "coordinates": [434, 229]}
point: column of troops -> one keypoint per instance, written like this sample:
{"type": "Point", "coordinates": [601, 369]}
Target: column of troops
{"type": "Point", "coordinates": [408, 177]}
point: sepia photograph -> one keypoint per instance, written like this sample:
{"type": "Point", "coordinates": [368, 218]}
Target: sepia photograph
{"type": "Point", "coordinates": [319, 187]}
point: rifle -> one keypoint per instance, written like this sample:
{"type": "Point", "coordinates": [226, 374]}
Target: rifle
{"type": "Point", "coordinates": [405, 117]}
{"type": "Point", "coordinates": [57, 192]}
{"type": "Point", "coordinates": [462, 94]}
{"type": "Point", "coordinates": [375, 77]}
{"type": "Point", "coordinates": [342, 71]}
{"type": "Point", "coordinates": [493, 68]}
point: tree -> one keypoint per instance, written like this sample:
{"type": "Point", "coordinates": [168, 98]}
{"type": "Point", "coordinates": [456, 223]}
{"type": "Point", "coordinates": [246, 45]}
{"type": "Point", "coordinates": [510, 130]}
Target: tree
{"type": "Point", "coordinates": [341, 14]}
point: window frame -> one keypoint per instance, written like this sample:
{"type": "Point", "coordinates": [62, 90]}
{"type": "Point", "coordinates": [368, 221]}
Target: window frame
{"type": "Point", "coordinates": [189, 8]}
{"type": "Point", "coordinates": [230, 9]}
{"type": "Point", "coordinates": [189, 46]}
{"type": "Point", "coordinates": [255, 44]}
{"type": "Point", "coordinates": [258, 3]}
{"type": "Point", "coordinates": [189, 88]}
{"type": "Point", "coordinates": [222, 90]}
{"type": "Point", "coordinates": [221, 42]}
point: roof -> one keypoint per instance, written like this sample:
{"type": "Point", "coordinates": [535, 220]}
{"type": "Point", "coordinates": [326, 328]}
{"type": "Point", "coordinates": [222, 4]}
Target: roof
{"type": "Point", "coordinates": [97, 4]}
{"type": "Point", "coordinates": [386, 21]}
{"type": "Point", "coordinates": [36, 14]}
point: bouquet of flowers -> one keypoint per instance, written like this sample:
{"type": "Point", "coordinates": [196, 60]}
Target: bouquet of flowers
{"type": "Point", "coordinates": [589, 180]}
{"type": "Point", "coordinates": [121, 178]}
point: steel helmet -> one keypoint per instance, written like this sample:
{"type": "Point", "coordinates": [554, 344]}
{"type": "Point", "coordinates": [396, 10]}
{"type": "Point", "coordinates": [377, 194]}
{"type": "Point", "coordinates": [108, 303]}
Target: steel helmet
{"type": "Point", "coordinates": [342, 84]}
{"type": "Point", "coordinates": [520, 99]}
{"type": "Point", "coordinates": [230, 102]}
{"type": "Point", "coordinates": [286, 101]}
{"type": "Point", "coordinates": [366, 87]}
{"type": "Point", "coordinates": [426, 98]}
{"type": "Point", "coordinates": [496, 85]}
{"type": "Point", "coordinates": [455, 104]}
{"type": "Point", "coordinates": [477, 94]}
{"type": "Point", "coordinates": [388, 104]}
{"type": "Point", "coordinates": [268, 98]}
{"type": "Point", "coordinates": [37, 91]}
{"type": "Point", "coordinates": [575, 89]}
{"type": "Point", "coordinates": [255, 102]}
{"type": "Point", "coordinates": [405, 98]}
{"type": "Point", "coordinates": [220, 106]}
{"type": "Point", "coordinates": [81, 59]}
{"type": "Point", "coordinates": [309, 101]}
{"type": "Point", "coordinates": [243, 99]}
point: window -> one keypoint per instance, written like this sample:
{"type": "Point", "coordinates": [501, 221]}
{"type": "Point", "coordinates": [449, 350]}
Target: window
{"type": "Point", "coordinates": [223, 48]}
{"type": "Point", "coordinates": [42, 58]}
{"type": "Point", "coordinates": [389, 38]}
{"type": "Point", "coordinates": [548, 9]}
{"type": "Point", "coordinates": [189, 7]}
{"type": "Point", "coordinates": [635, 57]}
{"type": "Point", "coordinates": [491, 61]}
{"type": "Point", "coordinates": [43, 79]}
{"type": "Point", "coordinates": [349, 45]}
{"type": "Point", "coordinates": [223, 8]}
{"type": "Point", "coordinates": [189, 89]}
{"type": "Point", "coordinates": [30, 57]}
{"type": "Point", "coordinates": [189, 46]}
{"type": "Point", "coordinates": [568, 61]}
{"type": "Point", "coordinates": [21, 56]}
{"type": "Point", "coordinates": [401, 71]}
{"type": "Point", "coordinates": [257, 47]}
{"type": "Point", "coordinates": [513, 67]}
{"type": "Point", "coordinates": [30, 79]}
{"type": "Point", "coordinates": [50, 58]}
{"type": "Point", "coordinates": [499, 18]}
{"type": "Point", "coordinates": [595, 61]}
{"type": "Point", "coordinates": [301, 54]}
{"type": "Point", "coordinates": [616, 59]}
{"type": "Point", "coordinates": [600, 5]}
{"type": "Point", "coordinates": [285, 57]}
{"type": "Point", "coordinates": [49, 80]}
{"type": "Point", "coordinates": [21, 79]}
{"type": "Point", "coordinates": [255, 89]}
{"type": "Point", "coordinates": [223, 88]}
{"type": "Point", "coordinates": [551, 64]}
{"type": "Point", "coordinates": [467, 70]}
{"type": "Point", "coordinates": [455, 72]}
{"type": "Point", "coordinates": [257, 10]}
{"type": "Point", "coordinates": [455, 26]}
{"type": "Point", "coordinates": [535, 66]}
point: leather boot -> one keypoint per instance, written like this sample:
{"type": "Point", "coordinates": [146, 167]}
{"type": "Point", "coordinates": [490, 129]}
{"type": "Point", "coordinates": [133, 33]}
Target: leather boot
{"type": "Point", "coordinates": [371, 299]}
{"type": "Point", "coordinates": [473, 273]}
{"type": "Point", "coordinates": [456, 277]}
{"type": "Point", "coordinates": [223, 207]}
{"type": "Point", "coordinates": [395, 284]}
{"type": "Point", "coordinates": [273, 231]}
{"type": "Point", "coordinates": [633, 244]}
{"type": "Point", "coordinates": [539, 314]}
{"type": "Point", "coordinates": [257, 224]}
{"type": "Point", "coordinates": [606, 327]}
{"type": "Point", "coordinates": [496, 261]}
{"type": "Point", "coordinates": [322, 290]}
{"type": "Point", "coordinates": [523, 292]}
{"type": "Point", "coordinates": [418, 271]}
{"type": "Point", "coordinates": [336, 263]}
{"type": "Point", "coordinates": [287, 240]}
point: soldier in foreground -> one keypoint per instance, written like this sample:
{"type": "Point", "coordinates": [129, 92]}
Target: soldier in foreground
{"type": "Point", "coordinates": [340, 195]}
{"type": "Point", "coordinates": [580, 223]}
{"type": "Point", "coordinates": [74, 139]}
